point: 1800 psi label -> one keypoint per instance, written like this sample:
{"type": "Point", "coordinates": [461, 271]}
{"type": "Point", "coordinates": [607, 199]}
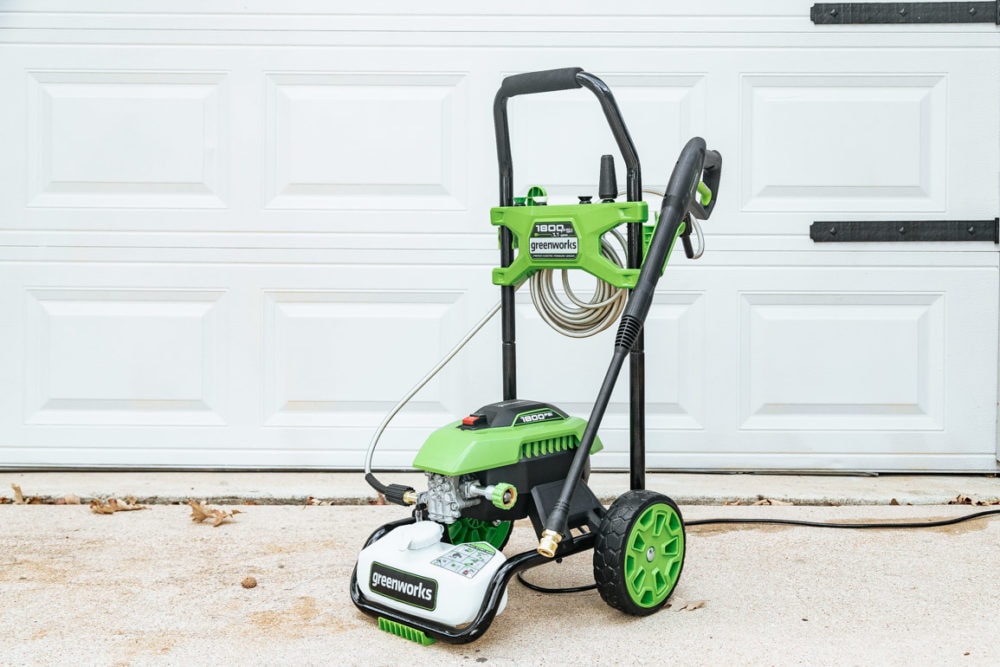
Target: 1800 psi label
{"type": "Point", "coordinates": [553, 240]}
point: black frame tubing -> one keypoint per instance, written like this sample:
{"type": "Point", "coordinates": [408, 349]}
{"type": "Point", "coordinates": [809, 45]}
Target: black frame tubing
{"type": "Point", "coordinates": [549, 81]}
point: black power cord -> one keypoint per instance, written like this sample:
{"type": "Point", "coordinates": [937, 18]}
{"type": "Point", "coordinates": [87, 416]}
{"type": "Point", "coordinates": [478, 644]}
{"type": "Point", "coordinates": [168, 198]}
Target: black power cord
{"type": "Point", "coordinates": [554, 591]}
{"type": "Point", "coordinates": [909, 525]}
{"type": "Point", "coordinates": [852, 526]}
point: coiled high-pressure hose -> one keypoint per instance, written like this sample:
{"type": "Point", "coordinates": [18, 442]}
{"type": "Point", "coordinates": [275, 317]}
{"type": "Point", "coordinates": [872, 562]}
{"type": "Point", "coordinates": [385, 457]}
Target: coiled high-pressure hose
{"type": "Point", "coordinates": [581, 319]}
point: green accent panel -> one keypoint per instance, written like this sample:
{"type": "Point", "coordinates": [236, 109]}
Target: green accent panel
{"type": "Point", "coordinates": [451, 450]}
{"type": "Point", "coordinates": [589, 222]}
{"type": "Point", "coordinates": [654, 553]}
{"type": "Point", "coordinates": [647, 238]}
{"type": "Point", "coordinates": [467, 530]}
{"type": "Point", "coordinates": [404, 631]}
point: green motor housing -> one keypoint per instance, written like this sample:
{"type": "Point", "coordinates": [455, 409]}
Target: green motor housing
{"type": "Point", "coordinates": [519, 442]}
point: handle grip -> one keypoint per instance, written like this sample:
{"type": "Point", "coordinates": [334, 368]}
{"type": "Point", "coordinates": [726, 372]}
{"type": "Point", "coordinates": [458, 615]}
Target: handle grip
{"type": "Point", "coordinates": [552, 80]}
{"type": "Point", "coordinates": [545, 81]}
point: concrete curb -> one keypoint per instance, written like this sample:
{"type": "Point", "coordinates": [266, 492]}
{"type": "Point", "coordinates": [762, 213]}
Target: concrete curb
{"type": "Point", "coordinates": [349, 488]}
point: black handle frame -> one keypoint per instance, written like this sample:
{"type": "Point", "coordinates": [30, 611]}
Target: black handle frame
{"type": "Point", "coordinates": [543, 82]}
{"type": "Point", "coordinates": [549, 81]}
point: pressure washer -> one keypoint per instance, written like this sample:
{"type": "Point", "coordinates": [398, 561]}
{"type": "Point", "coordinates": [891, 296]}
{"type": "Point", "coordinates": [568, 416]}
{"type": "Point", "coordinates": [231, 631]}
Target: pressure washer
{"type": "Point", "coordinates": [440, 574]}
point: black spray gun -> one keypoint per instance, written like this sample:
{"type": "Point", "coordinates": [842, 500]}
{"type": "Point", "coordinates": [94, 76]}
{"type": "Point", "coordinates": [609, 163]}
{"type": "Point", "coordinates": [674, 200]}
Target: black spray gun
{"type": "Point", "coordinates": [695, 165]}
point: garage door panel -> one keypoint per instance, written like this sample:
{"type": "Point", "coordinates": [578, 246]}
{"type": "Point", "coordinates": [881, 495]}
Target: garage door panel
{"type": "Point", "coordinates": [842, 361]}
{"type": "Point", "coordinates": [331, 356]}
{"type": "Point", "coordinates": [121, 356]}
{"type": "Point", "coordinates": [844, 143]}
{"type": "Point", "coordinates": [351, 140]}
{"type": "Point", "coordinates": [127, 139]}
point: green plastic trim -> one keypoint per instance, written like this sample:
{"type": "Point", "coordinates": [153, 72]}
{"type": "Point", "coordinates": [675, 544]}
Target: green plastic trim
{"type": "Point", "coordinates": [647, 238]}
{"type": "Point", "coordinates": [499, 491]}
{"type": "Point", "coordinates": [534, 193]}
{"type": "Point", "coordinates": [404, 631]}
{"type": "Point", "coordinates": [451, 450]}
{"type": "Point", "coordinates": [589, 222]}
{"type": "Point", "coordinates": [704, 194]}
{"type": "Point", "coordinates": [654, 553]}
{"type": "Point", "coordinates": [530, 450]}
{"type": "Point", "coordinates": [467, 530]}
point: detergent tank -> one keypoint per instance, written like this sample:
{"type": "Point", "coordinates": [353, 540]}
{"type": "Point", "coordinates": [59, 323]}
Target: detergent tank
{"type": "Point", "coordinates": [413, 571]}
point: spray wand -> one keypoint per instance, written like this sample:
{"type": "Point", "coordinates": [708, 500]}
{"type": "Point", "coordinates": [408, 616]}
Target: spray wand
{"type": "Point", "coordinates": [695, 164]}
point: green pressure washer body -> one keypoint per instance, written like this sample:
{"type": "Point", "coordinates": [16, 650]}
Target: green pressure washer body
{"type": "Point", "coordinates": [475, 467]}
{"type": "Point", "coordinates": [440, 574]}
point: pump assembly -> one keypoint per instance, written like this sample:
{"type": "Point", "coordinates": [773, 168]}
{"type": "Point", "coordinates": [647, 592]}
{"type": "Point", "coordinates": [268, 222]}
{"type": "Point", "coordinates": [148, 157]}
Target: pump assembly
{"type": "Point", "coordinates": [440, 574]}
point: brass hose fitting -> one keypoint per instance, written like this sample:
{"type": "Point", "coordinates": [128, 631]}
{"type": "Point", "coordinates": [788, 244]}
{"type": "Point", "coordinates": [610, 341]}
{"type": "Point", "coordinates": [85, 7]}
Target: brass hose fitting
{"type": "Point", "coordinates": [549, 542]}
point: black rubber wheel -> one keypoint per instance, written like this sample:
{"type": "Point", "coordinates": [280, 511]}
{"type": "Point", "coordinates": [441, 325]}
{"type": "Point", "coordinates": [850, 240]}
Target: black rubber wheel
{"type": "Point", "coordinates": [639, 552]}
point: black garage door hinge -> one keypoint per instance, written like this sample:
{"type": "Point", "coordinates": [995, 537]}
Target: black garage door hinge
{"type": "Point", "coordinates": [839, 13]}
{"type": "Point", "coordinates": [857, 231]}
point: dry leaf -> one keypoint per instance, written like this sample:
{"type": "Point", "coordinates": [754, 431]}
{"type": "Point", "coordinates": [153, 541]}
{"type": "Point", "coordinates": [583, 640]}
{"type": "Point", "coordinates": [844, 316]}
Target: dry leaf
{"type": "Point", "coordinates": [692, 605]}
{"type": "Point", "coordinates": [98, 506]}
{"type": "Point", "coordinates": [771, 501]}
{"type": "Point", "coordinates": [19, 498]}
{"type": "Point", "coordinates": [201, 513]}
{"type": "Point", "coordinates": [962, 499]}
{"type": "Point", "coordinates": [731, 502]}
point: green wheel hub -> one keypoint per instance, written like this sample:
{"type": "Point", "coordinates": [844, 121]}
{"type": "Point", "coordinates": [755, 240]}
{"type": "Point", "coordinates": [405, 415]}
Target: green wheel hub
{"type": "Point", "coordinates": [475, 530]}
{"type": "Point", "coordinates": [653, 555]}
{"type": "Point", "coordinates": [639, 552]}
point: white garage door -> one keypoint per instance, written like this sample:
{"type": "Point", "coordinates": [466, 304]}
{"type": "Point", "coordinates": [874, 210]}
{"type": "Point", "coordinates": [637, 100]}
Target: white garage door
{"type": "Point", "coordinates": [234, 239]}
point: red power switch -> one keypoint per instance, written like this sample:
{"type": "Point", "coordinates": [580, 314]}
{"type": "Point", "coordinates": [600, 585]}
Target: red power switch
{"type": "Point", "coordinates": [473, 420]}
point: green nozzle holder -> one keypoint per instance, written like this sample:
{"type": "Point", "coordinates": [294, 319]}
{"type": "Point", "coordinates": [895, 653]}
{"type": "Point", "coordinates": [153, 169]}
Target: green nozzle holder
{"type": "Point", "coordinates": [588, 222]}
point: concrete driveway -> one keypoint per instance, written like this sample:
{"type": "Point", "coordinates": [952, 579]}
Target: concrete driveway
{"type": "Point", "coordinates": [152, 587]}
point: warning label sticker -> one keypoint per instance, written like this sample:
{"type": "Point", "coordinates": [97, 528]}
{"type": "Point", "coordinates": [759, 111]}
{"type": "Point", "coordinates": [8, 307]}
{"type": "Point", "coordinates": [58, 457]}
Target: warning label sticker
{"type": "Point", "coordinates": [553, 240]}
{"type": "Point", "coordinates": [465, 559]}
